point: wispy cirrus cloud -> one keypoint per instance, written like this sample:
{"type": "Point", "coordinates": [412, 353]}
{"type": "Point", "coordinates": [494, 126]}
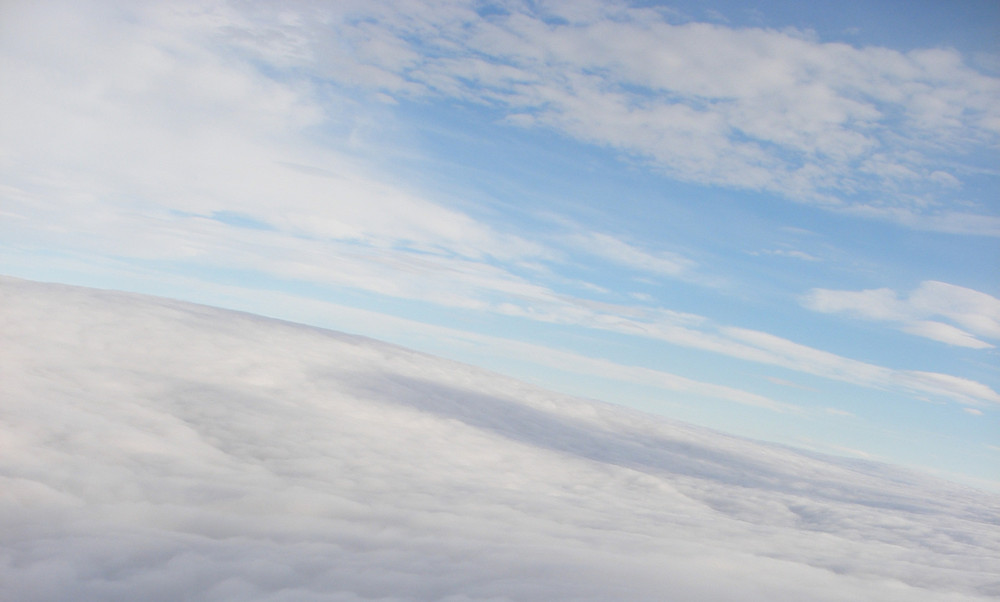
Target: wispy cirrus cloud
{"type": "Point", "coordinates": [626, 255]}
{"type": "Point", "coordinates": [701, 333]}
{"type": "Point", "coordinates": [870, 132]}
{"type": "Point", "coordinates": [788, 253]}
{"type": "Point", "coordinates": [969, 315]}
{"type": "Point", "coordinates": [783, 352]}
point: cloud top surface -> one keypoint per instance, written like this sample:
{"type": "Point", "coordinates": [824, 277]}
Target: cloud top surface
{"type": "Point", "coordinates": [159, 450]}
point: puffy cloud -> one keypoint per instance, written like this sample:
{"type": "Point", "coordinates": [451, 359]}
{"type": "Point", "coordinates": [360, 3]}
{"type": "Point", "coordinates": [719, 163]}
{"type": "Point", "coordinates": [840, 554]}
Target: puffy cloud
{"type": "Point", "coordinates": [158, 450]}
{"type": "Point", "coordinates": [973, 313]}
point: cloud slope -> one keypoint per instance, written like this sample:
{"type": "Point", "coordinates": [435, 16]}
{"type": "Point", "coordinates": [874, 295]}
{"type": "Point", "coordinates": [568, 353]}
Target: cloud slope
{"type": "Point", "coordinates": [973, 315]}
{"type": "Point", "coordinates": [158, 450]}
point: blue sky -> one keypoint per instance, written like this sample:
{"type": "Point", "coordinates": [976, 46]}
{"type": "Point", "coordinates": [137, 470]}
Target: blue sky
{"type": "Point", "coordinates": [780, 222]}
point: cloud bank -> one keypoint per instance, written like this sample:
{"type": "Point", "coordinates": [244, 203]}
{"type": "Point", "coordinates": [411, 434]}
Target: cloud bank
{"type": "Point", "coordinates": [158, 450]}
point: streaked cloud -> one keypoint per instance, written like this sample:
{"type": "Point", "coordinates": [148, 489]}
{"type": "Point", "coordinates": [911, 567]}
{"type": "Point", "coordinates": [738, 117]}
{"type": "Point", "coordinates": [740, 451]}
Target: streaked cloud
{"type": "Point", "coordinates": [778, 351]}
{"type": "Point", "coordinates": [973, 315]}
{"type": "Point", "coordinates": [626, 255]}
{"type": "Point", "coordinates": [857, 130]}
{"type": "Point", "coordinates": [790, 253]}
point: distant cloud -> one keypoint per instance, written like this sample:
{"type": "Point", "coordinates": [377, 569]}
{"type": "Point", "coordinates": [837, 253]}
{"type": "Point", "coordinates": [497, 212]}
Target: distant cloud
{"type": "Point", "coordinates": [790, 253]}
{"type": "Point", "coordinates": [944, 333]}
{"type": "Point", "coordinates": [787, 383]}
{"type": "Point", "coordinates": [871, 132]}
{"type": "Point", "coordinates": [770, 349]}
{"type": "Point", "coordinates": [626, 255]}
{"type": "Point", "coordinates": [972, 314]}
{"type": "Point", "coordinates": [698, 332]}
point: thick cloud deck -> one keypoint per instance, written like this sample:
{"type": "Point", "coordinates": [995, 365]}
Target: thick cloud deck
{"type": "Point", "coordinates": [156, 450]}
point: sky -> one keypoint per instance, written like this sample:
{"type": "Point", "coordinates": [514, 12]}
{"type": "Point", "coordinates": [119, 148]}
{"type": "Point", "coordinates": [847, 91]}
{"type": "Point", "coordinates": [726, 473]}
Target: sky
{"type": "Point", "coordinates": [156, 450]}
{"type": "Point", "coordinates": [777, 221]}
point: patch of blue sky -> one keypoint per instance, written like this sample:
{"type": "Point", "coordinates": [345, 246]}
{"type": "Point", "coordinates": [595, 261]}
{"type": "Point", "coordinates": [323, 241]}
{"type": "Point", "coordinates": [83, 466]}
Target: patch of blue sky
{"type": "Point", "coordinates": [968, 25]}
{"type": "Point", "coordinates": [497, 161]}
{"type": "Point", "coordinates": [523, 172]}
{"type": "Point", "coordinates": [541, 180]}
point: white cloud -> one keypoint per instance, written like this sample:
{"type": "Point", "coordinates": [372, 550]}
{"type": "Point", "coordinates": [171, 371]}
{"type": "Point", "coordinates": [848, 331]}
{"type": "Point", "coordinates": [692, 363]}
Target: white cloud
{"type": "Point", "coordinates": [748, 108]}
{"type": "Point", "coordinates": [627, 255]}
{"type": "Point", "coordinates": [973, 313]}
{"type": "Point", "coordinates": [575, 363]}
{"type": "Point", "coordinates": [131, 146]}
{"type": "Point", "coordinates": [130, 130]}
{"type": "Point", "coordinates": [790, 253]}
{"type": "Point", "coordinates": [973, 310]}
{"type": "Point", "coordinates": [779, 351]}
{"type": "Point", "coordinates": [944, 333]}
{"type": "Point", "coordinates": [874, 304]}
{"type": "Point", "coordinates": [157, 450]}
{"type": "Point", "coordinates": [962, 389]}
{"type": "Point", "coordinates": [947, 221]}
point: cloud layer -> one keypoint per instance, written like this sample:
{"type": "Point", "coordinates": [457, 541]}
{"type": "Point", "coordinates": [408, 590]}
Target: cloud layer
{"type": "Point", "coordinates": [870, 132]}
{"type": "Point", "coordinates": [158, 450]}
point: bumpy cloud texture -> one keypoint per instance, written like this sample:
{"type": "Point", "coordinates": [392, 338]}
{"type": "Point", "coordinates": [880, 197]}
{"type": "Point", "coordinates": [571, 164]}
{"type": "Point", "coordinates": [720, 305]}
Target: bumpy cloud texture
{"type": "Point", "coordinates": [157, 450]}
